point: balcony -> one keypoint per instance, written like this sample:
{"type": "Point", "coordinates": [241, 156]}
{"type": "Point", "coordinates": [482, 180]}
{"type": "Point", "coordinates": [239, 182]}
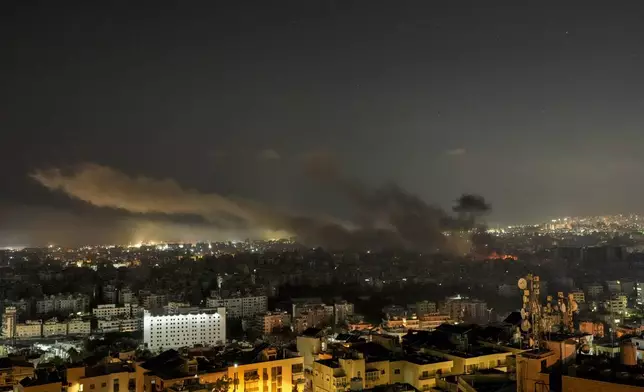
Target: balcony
{"type": "Point", "coordinates": [425, 376]}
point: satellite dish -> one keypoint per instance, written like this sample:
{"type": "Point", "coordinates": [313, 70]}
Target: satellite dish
{"type": "Point", "coordinates": [562, 307]}
{"type": "Point", "coordinates": [525, 325]}
{"type": "Point", "coordinates": [522, 283]}
{"type": "Point", "coordinates": [573, 306]}
{"type": "Point", "coordinates": [523, 314]}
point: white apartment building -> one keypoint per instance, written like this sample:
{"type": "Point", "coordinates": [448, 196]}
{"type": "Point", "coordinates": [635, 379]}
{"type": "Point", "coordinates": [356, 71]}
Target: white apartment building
{"type": "Point", "coordinates": [54, 328]}
{"type": "Point", "coordinates": [202, 326]}
{"type": "Point", "coordinates": [639, 291]}
{"type": "Point", "coordinates": [78, 327]}
{"type": "Point", "coordinates": [240, 307]}
{"type": "Point", "coordinates": [30, 329]}
{"type": "Point", "coordinates": [112, 311]}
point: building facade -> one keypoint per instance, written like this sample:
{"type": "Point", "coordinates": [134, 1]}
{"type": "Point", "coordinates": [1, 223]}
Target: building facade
{"type": "Point", "coordinates": [203, 326]}
{"type": "Point", "coordinates": [240, 307]}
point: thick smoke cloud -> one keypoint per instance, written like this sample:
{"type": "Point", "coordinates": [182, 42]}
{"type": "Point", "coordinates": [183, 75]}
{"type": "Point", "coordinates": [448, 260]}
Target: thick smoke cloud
{"type": "Point", "coordinates": [387, 217]}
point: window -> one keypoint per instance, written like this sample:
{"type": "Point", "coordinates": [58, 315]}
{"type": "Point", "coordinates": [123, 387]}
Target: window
{"type": "Point", "coordinates": [103, 385]}
{"type": "Point", "coordinates": [382, 371]}
{"type": "Point", "coordinates": [91, 386]}
{"type": "Point", "coordinates": [396, 371]}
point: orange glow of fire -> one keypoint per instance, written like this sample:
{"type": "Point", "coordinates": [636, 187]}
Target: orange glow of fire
{"type": "Point", "coordinates": [501, 256]}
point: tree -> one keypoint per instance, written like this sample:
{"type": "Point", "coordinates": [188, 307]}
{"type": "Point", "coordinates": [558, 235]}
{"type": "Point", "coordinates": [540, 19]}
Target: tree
{"type": "Point", "coordinates": [221, 385]}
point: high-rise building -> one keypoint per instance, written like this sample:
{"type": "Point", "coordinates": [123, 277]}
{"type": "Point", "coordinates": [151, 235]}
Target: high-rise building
{"type": "Point", "coordinates": [202, 326]}
{"type": "Point", "coordinates": [9, 321]}
{"type": "Point", "coordinates": [110, 294]}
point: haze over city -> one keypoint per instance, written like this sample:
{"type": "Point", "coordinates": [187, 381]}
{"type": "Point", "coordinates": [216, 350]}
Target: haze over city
{"type": "Point", "coordinates": [534, 107]}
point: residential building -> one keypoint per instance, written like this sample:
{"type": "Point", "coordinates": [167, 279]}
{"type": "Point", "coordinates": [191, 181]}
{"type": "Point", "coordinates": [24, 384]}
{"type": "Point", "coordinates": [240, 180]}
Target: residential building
{"type": "Point", "coordinates": [311, 345]}
{"type": "Point", "coordinates": [240, 307]}
{"type": "Point", "coordinates": [593, 328]}
{"type": "Point", "coordinates": [29, 329]}
{"type": "Point", "coordinates": [79, 327]}
{"type": "Point", "coordinates": [111, 310]}
{"type": "Point", "coordinates": [614, 286]}
{"type": "Point", "coordinates": [154, 301]}
{"type": "Point", "coordinates": [12, 371]}
{"type": "Point", "coordinates": [45, 306]}
{"type": "Point", "coordinates": [119, 324]}
{"type": "Point", "coordinates": [425, 307]}
{"type": "Point", "coordinates": [617, 304]}
{"type": "Point", "coordinates": [366, 371]}
{"type": "Point", "coordinates": [263, 369]}
{"type": "Point", "coordinates": [71, 303]}
{"type": "Point", "coordinates": [126, 296]}
{"type": "Point", "coordinates": [106, 376]}
{"type": "Point", "coordinates": [110, 294]}
{"type": "Point", "coordinates": [639, 293]}
{"type": "Point", "coordinates": [39, 384]}
{"type": "Point", "coordinates": [594, 290]}
{"type": "Point", "coordinates": [9, 321]}
{"type": "Point", "coordinates": [175, 307]}
{"type": "Point", "coordinates": [53, 327]}
{"type": "Point", "coordinates": [578, 296]}
{"type": "Point", "coordinates": [465, 309]}
{"type": "Point", "coordinates": [270, 321]}
{"type": "Point", "coordinates": [63, 303]}
{"type": "Point", "coordinates": [508, 290]}
{"type": "Point", "coordinates": [202, 326]}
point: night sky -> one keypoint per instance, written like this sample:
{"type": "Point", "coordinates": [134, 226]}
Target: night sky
{"type": "Point", "coordinates": [540, 109]}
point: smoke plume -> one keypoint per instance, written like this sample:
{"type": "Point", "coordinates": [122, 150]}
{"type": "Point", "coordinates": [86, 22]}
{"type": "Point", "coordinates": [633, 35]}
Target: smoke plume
{"type": "Point", "coordinates": [386, 217]}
